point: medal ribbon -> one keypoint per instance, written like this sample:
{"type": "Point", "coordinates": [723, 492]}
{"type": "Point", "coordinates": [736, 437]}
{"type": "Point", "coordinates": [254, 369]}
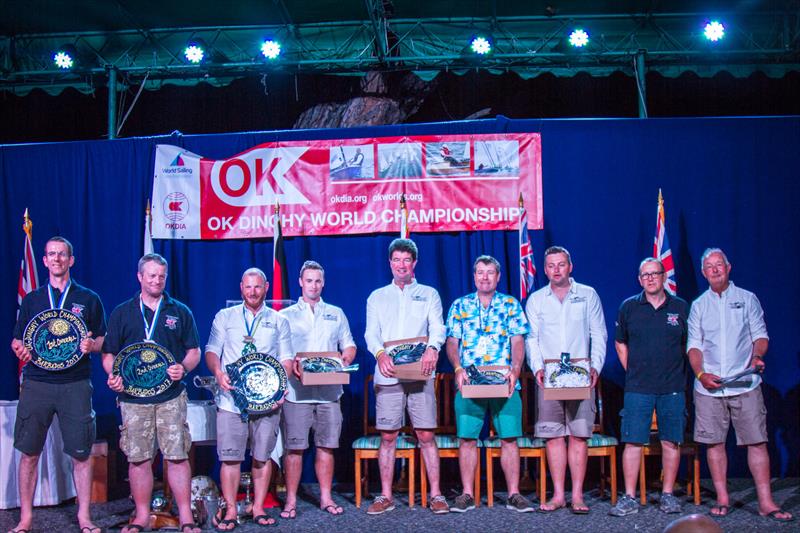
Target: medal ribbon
{"type": "Point", "coordinates": [60, 300]}
{"type": "Point", "coordinates": [149, 330]}
{"type": "Point", "coordinates": [249, 345]}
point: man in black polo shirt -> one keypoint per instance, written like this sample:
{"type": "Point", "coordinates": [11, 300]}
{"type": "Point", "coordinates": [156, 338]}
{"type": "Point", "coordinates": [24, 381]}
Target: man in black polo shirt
{"type": "Point", "coordinates": [67, 393]}
{"type": "Point", "coordinates": [651, 344]}
{"type": "Point", "coordinates": [152, 315]}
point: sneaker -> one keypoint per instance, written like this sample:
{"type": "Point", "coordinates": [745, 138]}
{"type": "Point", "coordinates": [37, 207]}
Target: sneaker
{"type": "Point", "coordinates": [519, 503]}
{"type": "Point", "coordinates": [463, 503]}
{"type": "Point", "coordinates": [625, 505]}
{"type": "Point", "coordinates": [380, 505]}
{"type": "Point", "coordinates": [438, 505]}
{"type": "Point", "coordinates": [669, 504]}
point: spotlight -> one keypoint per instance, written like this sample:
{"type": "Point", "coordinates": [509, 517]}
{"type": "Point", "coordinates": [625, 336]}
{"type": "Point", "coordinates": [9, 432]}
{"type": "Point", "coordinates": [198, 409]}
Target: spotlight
{"type": "Point", "coordinates": [270, 49]}
{"type": "Point", "coordinates": [714, 31]}
{"type": "Point", "coordinates": [65, 57]}
{"type": "Point", "coordinates": [578, 38]}
{"type": "Point", "coordinates": [194, 53]}
{"type": "Point", "coordinates": [481, 45]}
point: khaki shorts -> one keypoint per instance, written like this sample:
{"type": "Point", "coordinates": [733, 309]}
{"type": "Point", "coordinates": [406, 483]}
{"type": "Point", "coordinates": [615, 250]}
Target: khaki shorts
{"type": "Point", "coordinates": [558, 418]}
{"type": "Point", "coordinates": [391, 402]}
{"type": "Point", "coordinates": [233, 435]}
{"type": "Point", "coordinates": [714, 414]}
{"type": "Point", "coordinates": [146, 424]}
{"type": "Point", "coordinates": [324, 418]}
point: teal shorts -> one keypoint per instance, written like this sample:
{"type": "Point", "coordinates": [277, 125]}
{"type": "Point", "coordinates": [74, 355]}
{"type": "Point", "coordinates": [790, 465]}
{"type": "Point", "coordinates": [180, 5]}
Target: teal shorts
{"type": "Point", "coordinates": [506, 416]}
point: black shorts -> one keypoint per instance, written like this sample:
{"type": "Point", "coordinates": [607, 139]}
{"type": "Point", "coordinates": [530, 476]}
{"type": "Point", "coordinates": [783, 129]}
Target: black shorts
{"type": "Point", "coordinates": [72, 402]}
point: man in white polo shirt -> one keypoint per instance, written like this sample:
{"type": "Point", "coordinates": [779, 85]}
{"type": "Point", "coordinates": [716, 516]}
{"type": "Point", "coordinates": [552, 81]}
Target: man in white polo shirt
{"type": "Point", "coordinates": [727, 335]}
{"type": "Point", "coordinates": [239, 330]}
{"type": "Point", "coordinates": [405, 309]}
{"type": "Point", "coordinates": [317, 326]}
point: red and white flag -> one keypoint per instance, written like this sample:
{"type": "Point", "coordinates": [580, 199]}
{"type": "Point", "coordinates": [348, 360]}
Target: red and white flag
{"type": "Point", "coordinates": [661, 249]}
{"type": "Point", "coordinates": [28, 276]}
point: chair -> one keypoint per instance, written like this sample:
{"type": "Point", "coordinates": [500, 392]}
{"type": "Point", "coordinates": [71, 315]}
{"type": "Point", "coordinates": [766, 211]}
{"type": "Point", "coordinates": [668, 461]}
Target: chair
{"type": "Point", "coordinates": [446, 439]}
{"type": "Point", "coordinates": [366, 447]}
{"type": "Point", "coordinates": [601, 445]}
{"type": "Point", "coordinates": [689, 449]}
{"type": "Point", "coordinates": [529, 446]}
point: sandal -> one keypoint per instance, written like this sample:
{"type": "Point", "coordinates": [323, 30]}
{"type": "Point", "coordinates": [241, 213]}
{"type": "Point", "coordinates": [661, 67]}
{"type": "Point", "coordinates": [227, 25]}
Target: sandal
{"type": "Point", "coordinates": [289, 514]}
{"type": "Point", "coordinates": [579, 508]}
{"type": "Point", "coordinates": [264, 520]}
{"type": "Point", "coordinates": [541, 509]}
{"type": "Point", "coordinates": [333, 509]}
{"type": "Point", "coordinates": [773, 515]}
{"type": "Point", "coordinates": [721, 511]}
{"type": "Point", "coordinates": [192, 527]}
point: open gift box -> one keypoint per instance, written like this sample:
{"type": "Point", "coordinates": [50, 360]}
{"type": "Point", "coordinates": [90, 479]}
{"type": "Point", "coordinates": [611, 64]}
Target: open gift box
{"type": "Point", "coordinates": [322, 378]}
{"type": "Point", "coordinates": [560, 385]}
{"type": "Point", "coordinates": [488, 391]}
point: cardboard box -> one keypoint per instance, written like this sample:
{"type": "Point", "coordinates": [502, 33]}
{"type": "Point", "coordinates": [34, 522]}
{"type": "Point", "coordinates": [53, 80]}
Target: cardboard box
{"type": "Point", "coordinates": [410, 371]}
{"type": "Point", "coordinates": [321, 378]}
{"type": "Point", "coordinates": [488, 391]}
{"type": "Point", "coordinates": [581, 392]}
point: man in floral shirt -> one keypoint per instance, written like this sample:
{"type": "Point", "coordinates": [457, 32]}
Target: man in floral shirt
{"type": "Point", "coordinates": [488, 328]}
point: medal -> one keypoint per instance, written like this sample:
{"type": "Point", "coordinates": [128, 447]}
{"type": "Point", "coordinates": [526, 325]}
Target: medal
{"type": "Point", "coordinates": [60, 300]}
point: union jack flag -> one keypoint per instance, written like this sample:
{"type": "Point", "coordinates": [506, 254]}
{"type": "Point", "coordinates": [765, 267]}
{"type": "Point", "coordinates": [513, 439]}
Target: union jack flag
{"type": "Point", "coordinates": [527, 270]}
{"type": "Point", "coordinates": [661, 249]}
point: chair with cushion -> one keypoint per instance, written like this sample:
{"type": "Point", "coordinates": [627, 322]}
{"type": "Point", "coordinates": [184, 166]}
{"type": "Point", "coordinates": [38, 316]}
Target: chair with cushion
{"type": "Point", "coordinates": [446, 439]}
{"type": "Point", "coordinates": [688, 449]}
{"type": "Point", "coordinates": [366, 447]}
{"type": "Point", "coordinates": [602, 445]}
{"type": "Point", "coordinates": [529, 446]}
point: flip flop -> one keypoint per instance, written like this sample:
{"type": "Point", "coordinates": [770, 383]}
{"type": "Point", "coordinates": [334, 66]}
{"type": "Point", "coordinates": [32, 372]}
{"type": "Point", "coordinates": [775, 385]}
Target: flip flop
{"type": "Point", "coordinates": [193, 526]}
{"type": "Point", "coordinates": [135, 528]}
{"type": "Point", "coordinates": [220, 522]}
{"type": "Point", "coordinates": [264, 520]}
{"type": "Point", "coordinates": [333, 509]}
{"type": "Point", "coordinates": [87, 529]}
{"type": "Point", "coordinates": [23, 530]}
{"type": "Point", "coordinates": [577, 509]}
{"type": "Point", "coordinates": [541, 509]}
{"type": "Point", "coordinates": [773, 515]}
{"type": "Point", "coordinates": [289, 514]}
{"type": "Point", "coordinates": [722, 511]}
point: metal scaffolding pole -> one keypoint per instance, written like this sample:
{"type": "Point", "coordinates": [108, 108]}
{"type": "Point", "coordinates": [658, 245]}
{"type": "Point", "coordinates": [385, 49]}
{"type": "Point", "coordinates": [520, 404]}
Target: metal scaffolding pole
{"type": "Point", "coordinates": [641, 88]}
{"type": "Point", "coordinates": [112, 103]}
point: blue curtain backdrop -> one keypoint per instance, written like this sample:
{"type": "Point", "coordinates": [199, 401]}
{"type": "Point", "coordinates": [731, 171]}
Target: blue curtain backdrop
{"type": "Point", "coordinates": [728, 182]}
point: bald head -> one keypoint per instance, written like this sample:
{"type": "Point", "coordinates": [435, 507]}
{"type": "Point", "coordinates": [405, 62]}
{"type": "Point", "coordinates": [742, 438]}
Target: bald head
{"type": "Point", "coordinates": [694, 523]}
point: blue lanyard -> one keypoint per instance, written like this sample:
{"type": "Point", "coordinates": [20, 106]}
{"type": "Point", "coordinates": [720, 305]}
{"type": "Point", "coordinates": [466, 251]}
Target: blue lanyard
{"type": "Point", "coordinates": [149, 330]}
{"type": "Point", "coordinates": [60, 300]}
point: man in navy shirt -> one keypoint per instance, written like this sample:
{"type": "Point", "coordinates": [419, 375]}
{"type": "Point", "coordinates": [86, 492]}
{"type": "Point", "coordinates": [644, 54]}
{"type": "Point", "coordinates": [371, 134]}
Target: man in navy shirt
{"type": "Point", "coordinates": [153, 316]}
{"type": "Point", "coordinates": [67, 393]}
{"type": "Point", "coordinates": [651, 344]}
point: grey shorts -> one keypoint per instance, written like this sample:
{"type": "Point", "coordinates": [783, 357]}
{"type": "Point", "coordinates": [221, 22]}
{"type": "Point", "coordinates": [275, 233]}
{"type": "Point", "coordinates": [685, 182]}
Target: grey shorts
{"type": "Point", "coordinates": [391, 402]}
{"type": "Point", "coordinates": [146, 424]}
{"type": "Point", "coordinates": [72, 402]}
{"type": "Point", "coordinates": [259, 433]}
{"type": "Point", "coordinates": [558, 418]}
{"type": "Point", "coordinates": [324, 418]}
{"type": "Point", "coordinates": [714, 414]}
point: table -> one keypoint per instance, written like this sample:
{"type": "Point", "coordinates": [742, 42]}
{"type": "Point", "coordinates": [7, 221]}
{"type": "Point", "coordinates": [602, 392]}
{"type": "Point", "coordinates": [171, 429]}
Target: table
{"type": "Point", "coordinates": [55, 467]}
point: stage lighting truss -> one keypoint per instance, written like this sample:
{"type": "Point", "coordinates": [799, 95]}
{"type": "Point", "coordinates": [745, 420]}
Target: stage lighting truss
{"type": "Point", "coordinates": [529, 45]}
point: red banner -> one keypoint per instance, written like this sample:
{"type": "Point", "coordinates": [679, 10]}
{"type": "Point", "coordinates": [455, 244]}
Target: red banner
{"type": "Point", "coordinates": [347, 186]}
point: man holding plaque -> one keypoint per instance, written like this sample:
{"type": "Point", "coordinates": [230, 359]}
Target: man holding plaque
{"type": "Point", "coordinates": [402, 310]}
{"type": "Point", "coordinates": [727, 344]}
{"type": "Point", "coordinates": [566, 320]}
{"type": "Point", "coordinates": [250, 327]}
{"type": "Point", "coordinates": [317, 326]}
{"type": "Point", "coordinates": [651, 345]}
{"type": "Point", "coordinates": [151, 345]}
{"type": "Point", "coordinates": [488, 328]}
{"type": "Point", "coordinates": [49, 385]}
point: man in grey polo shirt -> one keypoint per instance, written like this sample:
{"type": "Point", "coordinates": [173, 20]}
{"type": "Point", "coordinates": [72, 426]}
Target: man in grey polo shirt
{"type": "Point", "coordinates": [727, 335]}
{"type": "Point", "coordinates": [246, 328]}
{"type": "Point", "coordinates": [317, 326]}
{"type": "Point", "coordinates": [401, 310]}
{"type": "Point", "coordinates": [565, 317]}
